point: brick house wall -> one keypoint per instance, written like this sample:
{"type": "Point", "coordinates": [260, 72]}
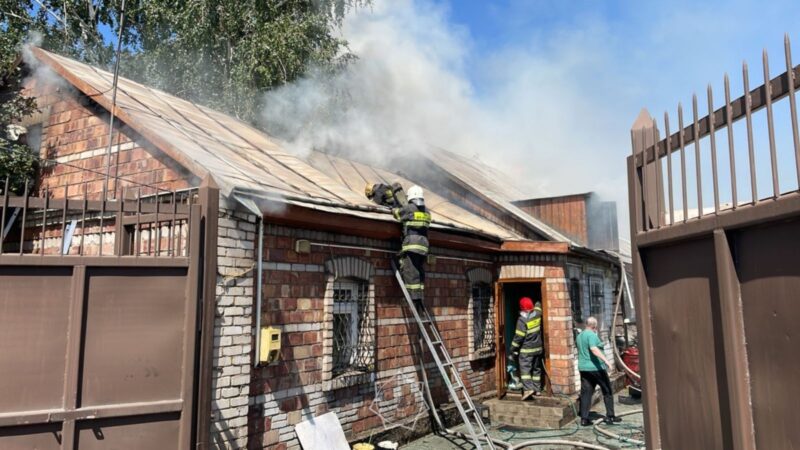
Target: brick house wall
{"type": "Point", "coordinates": [299, 385]}
{"type": "Point", "coordinates": [74, 135]}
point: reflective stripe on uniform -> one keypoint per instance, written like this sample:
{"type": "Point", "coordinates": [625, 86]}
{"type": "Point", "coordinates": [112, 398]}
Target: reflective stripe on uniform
{"type": "Point", "coordinates": [534, 323]}
{"type": "Point", "coordinates": [408, 247]}
{"type": "Point", "coordinates": [537, 309]}
{"type": "Point", "coordinates": [515, 344]}
{"type": "Point", "coordinates": [536, 378]}
{"type": "Point", "coordinates": [532, 330]}
{"type": "Point", "coordinates": [416, 224]}
{"type": "Point", "coordinates": [423, 216]}
{"type": "Point", "coordinates": [531, 350]}
{"type": "Point", "coordinates": [415, 286]}
{"type": "Point", "coordinates": [526, 377]}
{"type": "Point", "coordinates": [520, 333]}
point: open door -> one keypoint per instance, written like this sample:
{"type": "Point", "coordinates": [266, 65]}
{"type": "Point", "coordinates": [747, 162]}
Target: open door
{"type": "Point", "coordinates": [508, 294]}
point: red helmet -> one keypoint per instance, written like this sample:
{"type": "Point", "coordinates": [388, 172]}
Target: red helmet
{"type": "Point", "coordinates": [526, 304]}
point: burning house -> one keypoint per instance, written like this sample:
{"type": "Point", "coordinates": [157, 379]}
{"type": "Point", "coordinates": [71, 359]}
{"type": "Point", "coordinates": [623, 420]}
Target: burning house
{"type": "Point", "coordinates": [302, 256]}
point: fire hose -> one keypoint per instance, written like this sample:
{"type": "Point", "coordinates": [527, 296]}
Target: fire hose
{"type": "Point", "coordinates": [623, 281]}
{"type": "Point", "coordinates": [499, 442]}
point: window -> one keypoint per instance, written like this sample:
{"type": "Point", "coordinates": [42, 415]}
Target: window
{"type": "Point", "coordinates": [351, 344]}
{"type": "Point", "coordinates": [481, 313]}
{"type": "Point", "coordinates": [575, 299]}
{"type": "Point", "coordinates": [348, 327]}
{"type": "Point", "coordinates": [482, 317]}
{"type": "Point", "coordinates": [596, 297]}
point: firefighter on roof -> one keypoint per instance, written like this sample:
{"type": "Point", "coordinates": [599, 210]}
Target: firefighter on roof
{"type": "Point", "coordinates": [528, 347]}
{"type": "Point", "coordinates": [410, 211]}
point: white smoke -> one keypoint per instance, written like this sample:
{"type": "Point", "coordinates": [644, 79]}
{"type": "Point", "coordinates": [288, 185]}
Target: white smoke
{"type": "Point", "coordinates": [409, 89]}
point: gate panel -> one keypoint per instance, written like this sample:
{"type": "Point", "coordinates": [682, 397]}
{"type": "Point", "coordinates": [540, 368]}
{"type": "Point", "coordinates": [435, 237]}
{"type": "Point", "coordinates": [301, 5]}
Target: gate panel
{"type": "Point", "coordinates": [40, 437]}
{"type": "Point", "coordinates": [741, 292]}
{"type": "Point", "coordinates": [130, 433]}
{"type": "Point", "coordinates": [99, 304]}
{"type": "Point", "coordinates": [34, 312]}
{"type": "Point", "coordinates": [770, 283]}
{"type": "Point", "coordinates": [134, 335]}
{"type": "Point", "coordinates": [690, 369]}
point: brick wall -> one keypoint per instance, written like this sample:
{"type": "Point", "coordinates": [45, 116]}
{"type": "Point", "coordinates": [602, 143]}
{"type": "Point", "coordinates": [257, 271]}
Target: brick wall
{"type": "Point", "coordinates": [295, 388]}
{"type": "Point", "coordinates": [75, 141]}
{"type": "Point", "coordinates": [233, 326]}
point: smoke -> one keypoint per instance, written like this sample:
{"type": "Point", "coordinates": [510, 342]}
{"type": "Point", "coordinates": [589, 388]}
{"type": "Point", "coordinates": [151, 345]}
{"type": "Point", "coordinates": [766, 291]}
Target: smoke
{"type": "Point", "coordinates": [409, 90]}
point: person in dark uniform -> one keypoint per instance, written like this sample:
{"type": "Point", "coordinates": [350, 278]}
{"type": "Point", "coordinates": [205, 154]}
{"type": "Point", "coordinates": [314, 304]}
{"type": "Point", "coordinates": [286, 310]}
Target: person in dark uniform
{"type": "Point", "coordinates": [528, 347]}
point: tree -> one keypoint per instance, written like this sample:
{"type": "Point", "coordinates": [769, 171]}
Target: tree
{"type": "Point", "coordinates": [18, 163]}
{"type": "Point", "coordinates": [220, 53]}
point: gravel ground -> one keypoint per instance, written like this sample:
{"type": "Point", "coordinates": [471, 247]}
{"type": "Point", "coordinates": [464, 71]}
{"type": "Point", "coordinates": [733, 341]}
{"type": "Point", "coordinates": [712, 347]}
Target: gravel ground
{"type": "Point", "coordinates": [631, 426]}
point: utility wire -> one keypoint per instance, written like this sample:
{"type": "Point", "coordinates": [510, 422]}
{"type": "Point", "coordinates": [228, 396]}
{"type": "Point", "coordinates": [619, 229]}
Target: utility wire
{"type": "Point", "coordinates": [114, 101]}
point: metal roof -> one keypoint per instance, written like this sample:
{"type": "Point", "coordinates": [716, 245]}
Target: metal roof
{"type": "Point", "coordinates": [243, 160]}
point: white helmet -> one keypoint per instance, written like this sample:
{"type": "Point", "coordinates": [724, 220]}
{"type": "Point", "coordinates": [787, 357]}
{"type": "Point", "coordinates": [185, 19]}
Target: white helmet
{"type": "Point", "coordinates": [415, 192]}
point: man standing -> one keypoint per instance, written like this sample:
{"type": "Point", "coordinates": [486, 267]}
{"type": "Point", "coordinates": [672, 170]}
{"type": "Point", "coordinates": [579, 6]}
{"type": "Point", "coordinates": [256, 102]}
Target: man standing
{"type": "Point", "coordinates": [592, 365]}
{"type": "Point", "coordinates": [528, 347]}
{"type": "Point", "coordinates": [410, 211]}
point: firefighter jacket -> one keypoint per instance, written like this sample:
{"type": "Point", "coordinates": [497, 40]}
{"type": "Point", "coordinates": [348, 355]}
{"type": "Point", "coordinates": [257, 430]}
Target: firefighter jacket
{"type": "Point", "coordinates": [388, 195]}
{"type": "Point", "coordinates": [528, 336]}
{"type": "Point", "coordinates": [415, 220]}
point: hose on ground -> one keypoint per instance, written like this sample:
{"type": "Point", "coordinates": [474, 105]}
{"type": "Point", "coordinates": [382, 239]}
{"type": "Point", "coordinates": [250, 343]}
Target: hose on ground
{"type": "Point", "coordinates": [612, 435]}
{"type": "Point", "coordinates": [499, 442]}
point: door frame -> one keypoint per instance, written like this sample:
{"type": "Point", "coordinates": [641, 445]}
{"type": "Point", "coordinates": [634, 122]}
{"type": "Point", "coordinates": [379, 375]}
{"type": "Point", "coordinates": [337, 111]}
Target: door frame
{"type": "Point", "coordinates": [499, 331]}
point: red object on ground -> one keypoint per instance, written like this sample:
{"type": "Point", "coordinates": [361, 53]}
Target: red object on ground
{"type": "Point", "coordinates": [631, 359]}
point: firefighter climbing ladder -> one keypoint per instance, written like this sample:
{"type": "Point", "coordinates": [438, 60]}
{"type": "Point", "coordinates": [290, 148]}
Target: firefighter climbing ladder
{"type": "Point", "coordinates": [469, 414]}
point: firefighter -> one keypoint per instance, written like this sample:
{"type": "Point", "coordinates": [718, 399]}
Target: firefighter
{"type": "Point", "coordinates": [528, 347]}
{"type": "Point", "coordinates": [410, 211]}
{"type": "Point", "coordinates": [391, 195]}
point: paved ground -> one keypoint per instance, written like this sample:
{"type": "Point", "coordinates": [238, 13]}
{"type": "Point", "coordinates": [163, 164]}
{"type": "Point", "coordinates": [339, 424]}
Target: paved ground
{"type": "Point", "coordinates": [631, 426]}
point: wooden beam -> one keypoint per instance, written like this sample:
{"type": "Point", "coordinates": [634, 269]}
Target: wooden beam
{"type": "Point", "coordinates": [535, 247]}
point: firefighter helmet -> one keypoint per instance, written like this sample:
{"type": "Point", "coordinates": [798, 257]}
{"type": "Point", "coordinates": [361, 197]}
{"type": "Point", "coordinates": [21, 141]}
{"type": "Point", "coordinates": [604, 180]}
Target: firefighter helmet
{"type": "Point", "coordinates": [415, 192]}
{"type": "Point", "coordinates": [525, 304]}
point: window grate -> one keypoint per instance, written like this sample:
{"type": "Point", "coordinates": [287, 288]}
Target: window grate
{"type": "Point", "coordinates": [353, 335]}
{"type": "Point", "coordinates": [482, 317]}
{"type": "Point", "coordinates": [596, 297]}
{"type": "Point", "coordinates": [575, 299]}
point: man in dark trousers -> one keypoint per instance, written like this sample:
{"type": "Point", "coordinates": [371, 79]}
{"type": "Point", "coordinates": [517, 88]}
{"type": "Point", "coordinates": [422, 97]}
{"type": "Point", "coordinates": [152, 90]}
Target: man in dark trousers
{"type": "Point", "coordinates": [592, 365]}
{"type": "Point", "coordinates": [410, 211]}
{"type": "Point", "coordinates": [528, 347]}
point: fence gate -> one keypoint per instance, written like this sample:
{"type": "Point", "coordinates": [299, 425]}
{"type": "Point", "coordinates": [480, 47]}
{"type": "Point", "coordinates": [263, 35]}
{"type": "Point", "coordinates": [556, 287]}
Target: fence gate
{"type": "Point", "coordinates": [99, 304]}
{"type": "Point", "coordinates": [717, 285]}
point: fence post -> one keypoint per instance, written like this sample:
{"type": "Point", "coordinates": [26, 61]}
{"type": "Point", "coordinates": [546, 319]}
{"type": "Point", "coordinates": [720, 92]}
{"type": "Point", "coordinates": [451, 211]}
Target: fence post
{"type": "Point", "coordinates": [209, 201]}
{"type": "Point", "coordinates": [642, 137]}
{"type": "Point", "coordinates": [737, 371]}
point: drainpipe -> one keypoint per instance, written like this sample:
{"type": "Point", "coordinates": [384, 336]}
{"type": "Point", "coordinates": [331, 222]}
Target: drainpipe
{"type": "Point", "coordinates": [259, 275]}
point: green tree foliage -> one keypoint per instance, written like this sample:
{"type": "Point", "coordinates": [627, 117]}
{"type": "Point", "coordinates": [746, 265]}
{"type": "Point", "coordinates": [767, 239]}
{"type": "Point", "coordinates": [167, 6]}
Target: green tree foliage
{"type": "Point", "coordinates": [17, 162]}
{"type": "Point", "coordinates": [219, 53]}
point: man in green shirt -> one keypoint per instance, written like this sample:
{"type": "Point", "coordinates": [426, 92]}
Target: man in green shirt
{"type": "Point", "coordinates": [592, 365]}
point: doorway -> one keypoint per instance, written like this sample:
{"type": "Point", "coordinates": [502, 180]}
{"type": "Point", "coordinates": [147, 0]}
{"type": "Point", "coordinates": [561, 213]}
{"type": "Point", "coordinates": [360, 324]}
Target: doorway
{"type": "Point", "coordinates": [508, 295]}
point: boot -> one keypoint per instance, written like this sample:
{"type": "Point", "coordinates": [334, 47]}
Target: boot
{"type": "Point", "coordinates": [526, 395]}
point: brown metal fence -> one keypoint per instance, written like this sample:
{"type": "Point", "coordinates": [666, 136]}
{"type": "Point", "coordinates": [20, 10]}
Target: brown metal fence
{"type": "Point", "coordinates": [717, 287]}
{"type": "Point", "coordinates": [99, 320]}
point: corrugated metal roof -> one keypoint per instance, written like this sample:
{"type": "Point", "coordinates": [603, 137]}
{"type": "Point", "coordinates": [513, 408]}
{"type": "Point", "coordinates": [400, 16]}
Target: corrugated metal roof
{"type": "Point", "coordinates": [244, 159]}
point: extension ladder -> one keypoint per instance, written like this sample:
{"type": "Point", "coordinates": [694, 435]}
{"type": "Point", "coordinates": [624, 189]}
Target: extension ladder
{"type": "Point", "coordinates": [458, 392]}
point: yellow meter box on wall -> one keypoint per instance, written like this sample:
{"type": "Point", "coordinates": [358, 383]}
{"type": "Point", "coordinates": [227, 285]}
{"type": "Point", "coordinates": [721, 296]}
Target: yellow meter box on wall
{"type": "Point", "coordinates": [270, 345]}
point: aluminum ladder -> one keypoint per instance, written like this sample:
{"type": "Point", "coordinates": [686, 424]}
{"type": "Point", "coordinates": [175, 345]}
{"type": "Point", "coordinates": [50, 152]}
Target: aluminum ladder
{"type": "Point", "coordinates": [458, 392]}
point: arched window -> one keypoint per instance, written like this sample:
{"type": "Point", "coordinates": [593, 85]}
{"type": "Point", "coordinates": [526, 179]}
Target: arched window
{"type": "Point", "coordinates": [349, 323]}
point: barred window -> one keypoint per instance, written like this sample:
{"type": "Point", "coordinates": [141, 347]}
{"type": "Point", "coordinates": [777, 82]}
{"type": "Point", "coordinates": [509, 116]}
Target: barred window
{"type": "Point", "coordinates": [575, 299]}
{"type": "Point", "coordinates": [352, 335]}
{"type": "Point", "coordinates": [596, 296]}
{"type": "Point", "coordinates": [482, 317]}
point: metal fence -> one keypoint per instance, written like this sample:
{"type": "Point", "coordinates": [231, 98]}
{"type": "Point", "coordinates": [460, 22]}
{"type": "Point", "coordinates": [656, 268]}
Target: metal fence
{"type": "Point", "coordinates": [717, 285]}
{"type": "Point", "coordinates": [104, 309]}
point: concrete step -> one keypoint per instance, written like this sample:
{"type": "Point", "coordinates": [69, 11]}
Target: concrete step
{"type": "Point", "coordinates": [542, 412]}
